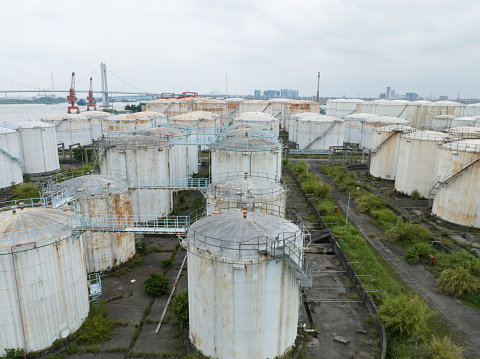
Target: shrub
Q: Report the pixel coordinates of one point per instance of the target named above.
(98, 327)
(27, 177)
(417, 252)
(79, 154)
(415, 194)
(404, 315)
(179, 307)
(167, 263)
(156, 284)
(26, 191)
(285, 162)
(443, 348)
(458, 282)
(408, 233)
(141, 247)
(14, 353)
(384, 216)
(317, 187)
(367, 202)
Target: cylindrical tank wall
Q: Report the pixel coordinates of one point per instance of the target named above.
(457, 200)
(71, 129)
(315, 134)
(10, 158)
(248, 311)
(39, 147)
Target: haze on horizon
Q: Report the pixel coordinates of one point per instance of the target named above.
(359, 46)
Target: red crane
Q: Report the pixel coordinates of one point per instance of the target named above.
(90, 98)
(71, 96)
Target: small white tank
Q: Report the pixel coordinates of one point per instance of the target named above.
(96, 122)
(464, 121)
(71, 128)
(370, 123)
(319, 132)
(253, 106)
(342, 107)
(441, 122)
(384, 156)
(158, 119)
(262, 119)
(11, 161)
(122, 125)
(456, 201)
(353, 126)
(241, 303)
(246, 154)
(232, 191)
(103, 196)
(291, 122)
(143, 158)
(43, 280)
(418, 161)
(39, 147)
(472, 109)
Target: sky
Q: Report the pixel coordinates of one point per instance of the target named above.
(360, 47)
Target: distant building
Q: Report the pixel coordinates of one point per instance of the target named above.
(289, 93)
(443, 98)
(271, 93)
(383, 95)
(258, 94)
(411, 96)
(388, 93)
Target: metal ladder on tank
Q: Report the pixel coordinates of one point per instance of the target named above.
(441, 181)
(95, 288)
(384, 141)
(16, 157)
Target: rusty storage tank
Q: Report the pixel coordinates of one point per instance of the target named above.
(178, 150)
(371, 123)
(242, 304)
(296, 106)
(246, 154)
(192, 148)
(457, 193)
(139, 159)
(39, 147)
(158, 119)
(353, 126)
(342, 107)
(166, 106)
(261, 119)
(384, 155)
(232, 107)
(108, 197)
(11, 161)
(319, 132)
(96, 122)
(71, 128)
(125, 124)
(215, 106)
(43, 280)
(258, 192)
(418, 161)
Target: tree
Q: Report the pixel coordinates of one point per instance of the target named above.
(179, 307)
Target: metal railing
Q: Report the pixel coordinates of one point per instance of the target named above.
(228, 175)
(169, 183)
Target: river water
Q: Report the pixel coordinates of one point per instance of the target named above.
(23, 112)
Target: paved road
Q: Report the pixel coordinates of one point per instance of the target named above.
(461, 317)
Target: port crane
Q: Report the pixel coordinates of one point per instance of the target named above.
(71, 96)
(90, 98)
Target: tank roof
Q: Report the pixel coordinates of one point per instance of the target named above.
(360, 116)
(93, 185)
(320, 118)
(180, 124)
(280, 100)
(255, 188)
(250, 132)
(96, 114)
(303, 115)
(134, 141)
(127, 117)
(446, 103)
(245, 143)
(196, 116)
(471, 145)
(33, 225)
(6, 131)
(234, 100)
(426, 136)
(347, 100)
(395, 128)
(32, 124)
(163, 132)
(255, 116)
(232, 236)
(387, 119)
(64, 116)
(256, 101)
(152, 114)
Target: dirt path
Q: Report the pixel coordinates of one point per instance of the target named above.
(461, 317)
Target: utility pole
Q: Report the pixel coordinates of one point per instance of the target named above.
(318, 88)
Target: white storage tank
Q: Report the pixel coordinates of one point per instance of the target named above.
(178, 150)
(39, 147)
(253, 106)
(457, 198)
(166, 106)
(242, 304)
(43, 280)
(96, 122)
(71, 128)
(139, 158)
(441, 122)
(384, 156)
(292, 120)
(246, 154)
(250, 130)
(426, 111)
(11, 161)
(342, 107)
(464, 121)
(278, 109)
(122, 125)
(158, 119)
(319, 132)
(207, 124)
(472, 109)
(258, 192)
(217, 107)
(232, 107)
(353, 127)
(107, 197)
(193, 148)
(371, 123)
(296, 106)
(418, 161)
(260, 118)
